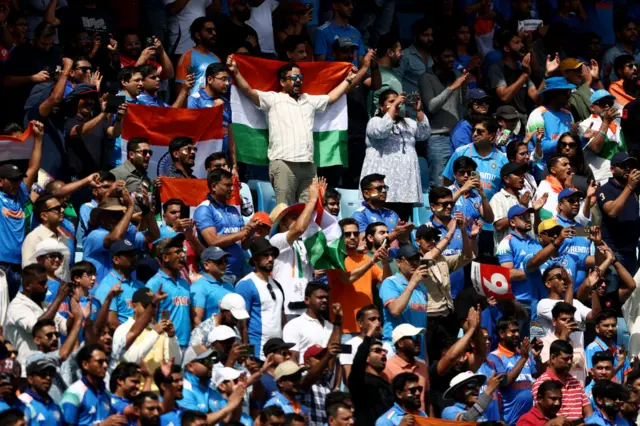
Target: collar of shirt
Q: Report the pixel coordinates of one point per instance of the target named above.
(215, 203)
(22, 299)
(46, 400)
(204, 95)
(538, 414)
(100, 389)
(405, 365)
(371, 209)
(507, 194)
(565, 222)
(519, 237)
(400, 278)
(117, 398)
(553, 376)
(605, 347)
(167, 277)
(412, 50)
(174, 171)
(129, 167)
(506, 351)
(294, 404)
(474, 153)
(615, 184)
(194, 380)
(617, 422)
(127, 97)
(118, 276)
(336, 25)
(308, 318)
(210, 279)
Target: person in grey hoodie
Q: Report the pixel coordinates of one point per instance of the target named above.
(441, 91)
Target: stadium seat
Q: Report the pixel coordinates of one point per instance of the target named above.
(266, 196)
(349, 202)
(424, 173)
(422, 215)
(245, 192)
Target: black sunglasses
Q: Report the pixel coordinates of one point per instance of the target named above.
(145, 152)
(271, 292)
(351, 234)
(567, 144)
(379, 188)
(59, 208)
(446, 204)
(84, 69)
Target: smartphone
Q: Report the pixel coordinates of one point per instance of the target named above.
(149, 42)
(582, 231)
(427, 262)
(474, 174)
(386, 243)
(346, 349)
(113, 103)
(165, 315)
(191, 69)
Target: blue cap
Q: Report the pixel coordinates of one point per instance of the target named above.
(213, 253)
(475, 94)
(557, 83)
(567, 192)
(622, 157)
(518, 210)
(599, 95)
(122, 246)
(407, 251)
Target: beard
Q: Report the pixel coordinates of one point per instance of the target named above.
(244, 15)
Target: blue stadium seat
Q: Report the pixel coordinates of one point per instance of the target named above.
(422, 215)
(424, 173)
(266, 196)
(349, 202)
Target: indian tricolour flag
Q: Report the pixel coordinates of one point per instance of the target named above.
(12, 149)
(160, 125)
(322, 239)
(250, 124)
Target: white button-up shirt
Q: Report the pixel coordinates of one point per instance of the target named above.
(42, 233)
(305, 332)
(290, 124)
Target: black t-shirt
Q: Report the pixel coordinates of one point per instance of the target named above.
(230, 37)
(501, 74)
(357, 107)
(89, 153)
(54, 158)
(438, 385)
(621, 233)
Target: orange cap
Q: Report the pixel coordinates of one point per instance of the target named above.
(263, 218)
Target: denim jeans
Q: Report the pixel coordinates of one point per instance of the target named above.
(13, 274)
(438, 154)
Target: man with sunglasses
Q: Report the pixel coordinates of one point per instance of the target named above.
(208, 291)
(407, 393)
(134, 171)
(626, 89)
(618, 202)
(602, 132)
(40, 408)
(183, 158)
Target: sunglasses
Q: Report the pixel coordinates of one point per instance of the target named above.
(271, 292)
(573, 200)
(189, 149)
(465, 172)
(54, 256)
(567, 144)
(415, 389)
(555, 277)
(52, 334)
(145, 152)
(58, 208)
(479, 131)
(294, 77)
(48, 372)
(351, 234)
(481, 102)
(446, 204)
(631, 65)
(379, 188)
(84, 69)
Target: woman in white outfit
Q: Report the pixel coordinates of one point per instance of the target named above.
(391, 151)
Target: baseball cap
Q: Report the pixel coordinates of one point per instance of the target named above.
(122, 246)
(235, 303)
(9, 171)
(568, 192)
(263, 218)
(195, 353)
(510, 168)
(40, 364)
(425, 232)
(622, 157)
(49, 245)
(548, 224)
(224, 374)
(507, 112)
(570, 64)
(404, 330)
(213, 253)
(287, 368)
(518, 210)
(142, 295)
(222, 333)
(314, 351)
(598, 95)
(475, 94)
(275, 344)
(343, 43)
(407, 251)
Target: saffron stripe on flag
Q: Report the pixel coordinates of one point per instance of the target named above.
(19, 148)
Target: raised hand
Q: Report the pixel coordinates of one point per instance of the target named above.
(539, 203)
(38, 128)
(552, 64)
(525, 347)
(337, 310)
(524, 199)
(159, 296)
(526, 63)
(476, 228)
(40, 77)
(231, 65)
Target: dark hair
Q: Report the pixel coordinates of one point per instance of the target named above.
(554, 159)
(560, 347)
(160, 379)
(292, 41)
(32, 272)
(347, 221)
(127, 31)
(437, 193)
(197, 25)
(577, 161)
(126, 74)
(283, 70)
(172, 202)
(332, 409)
(504, 38)
(215, 176)
(420, 27)
(12, 128)
(464, 162)
(121, 372)
(44, 29)
(81, 268)
(605, 356)
(386, 42)
(620, 61)
(562, 308)
(371, 228)
(622, 22)
(606, 389)
(108, 176)
(366, 181)
(338, 397)
(79, 58)
(633, 375)
(472, 48)
(40, 324)
(313, 286)
(440, 47)
(512, 149)
(15, 15)
(605, 314)
(178, 143)
(139, 399)
(503, 323)
(271, 411)
(382, 98)
(215, 68)
(213, 157)
(11, 417)
(548, 385)
(189, 417)
(146, 70)
(84, 354)
(401, 380)
(134, 142)
(547, 272)
(332, 193)
(427, 233)
(488, 123)
(41, 203)
(290, 418)
(364, 309)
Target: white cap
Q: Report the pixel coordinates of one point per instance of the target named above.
(222, 333)
(223, 374)
(50, 245)
(462, 379)
(404, 330)
(287, 368)
(235, 303)
(194, 353)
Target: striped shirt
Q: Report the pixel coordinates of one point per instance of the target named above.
(573, 396)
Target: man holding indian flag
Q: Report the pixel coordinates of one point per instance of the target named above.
(290, 117)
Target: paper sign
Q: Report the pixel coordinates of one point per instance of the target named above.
(491, 280)
(529, 25)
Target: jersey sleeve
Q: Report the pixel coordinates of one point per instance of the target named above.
(205, 218)
(388, 292)
(247, 290)
(280, 242)
(70, 407)
(588, 352)
(361, 218)
(376, 273)
(497, 363)
(183, 66)
(267, 100)
(504, 253)
(319, 102)
(198, 295)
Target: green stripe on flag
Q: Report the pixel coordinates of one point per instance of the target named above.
(252, 145)
(323, 255)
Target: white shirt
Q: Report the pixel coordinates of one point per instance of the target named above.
(305, 332)
(545, 306)
(22, 315)
(599, 164)
(500, 204)
(261, 21)
(290, 124)
(179, 24)
(42, 233)
(355, 342)
(293, 271)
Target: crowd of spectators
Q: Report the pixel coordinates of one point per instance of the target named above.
(479, 133)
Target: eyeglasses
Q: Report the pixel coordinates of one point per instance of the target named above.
(555, 277)
(58, 208)
(351, 234)
(47, 372)
(54, 256)
(145, 152)
(481, 102)
(222, 79)
(206, 362)
(52, 334)
(573, 200)
(379, 351)
(415, 389)
(631, 65)
(189, 149)
(294, 77)
(567, 144)
(379, 188)
(479, 131)
(84, 69)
